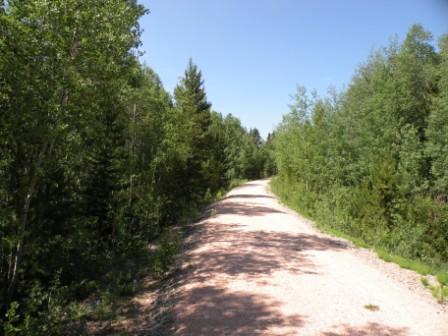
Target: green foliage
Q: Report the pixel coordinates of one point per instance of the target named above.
(11, 319)
(168, 246)
(440, 292)
(419, 267)
(370, 163)
(97, 158)
(424, 281)
(442, 277)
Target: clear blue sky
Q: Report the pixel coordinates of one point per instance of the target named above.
(252, 53)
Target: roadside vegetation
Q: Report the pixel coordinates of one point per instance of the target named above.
(370, 163)
(98, 161)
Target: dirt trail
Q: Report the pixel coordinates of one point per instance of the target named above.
(254, 267)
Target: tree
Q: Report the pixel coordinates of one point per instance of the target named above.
(58, 63)
(96, 159)
(371, 162)
(437, 131)
(191, 102)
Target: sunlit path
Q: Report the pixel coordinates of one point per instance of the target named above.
(254, 267)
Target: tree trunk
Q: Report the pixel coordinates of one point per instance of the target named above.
(12, 279)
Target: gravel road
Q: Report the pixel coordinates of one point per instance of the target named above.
(255, 267)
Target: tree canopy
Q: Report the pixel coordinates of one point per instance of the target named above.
(97, 158)
(371, 162)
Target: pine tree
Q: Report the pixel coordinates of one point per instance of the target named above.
(437, 132)
(192, 104)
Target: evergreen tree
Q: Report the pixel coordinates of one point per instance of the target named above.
(191, 102)
(437, 131)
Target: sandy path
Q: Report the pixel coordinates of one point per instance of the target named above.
(254, 267)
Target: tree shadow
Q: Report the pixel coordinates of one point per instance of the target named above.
(236, 208)
(210, 310)
(136, 314)
(216, 251)
(234, 251)
(248, 196)
(251, 184)
(370, 329)
(249, 254)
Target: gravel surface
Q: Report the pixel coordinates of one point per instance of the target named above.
(255, 267)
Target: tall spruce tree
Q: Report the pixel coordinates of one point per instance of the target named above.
(192, 104)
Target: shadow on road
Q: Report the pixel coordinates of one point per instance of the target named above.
(217, 252)
(246, 196)
(222, 312)
(203, 298)
(236, 208)
(223, 253)
(252, 253)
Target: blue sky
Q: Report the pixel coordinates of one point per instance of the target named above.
(253, 53)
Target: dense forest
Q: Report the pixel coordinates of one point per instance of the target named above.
(97, 158)
(98, 162)
(372, 162)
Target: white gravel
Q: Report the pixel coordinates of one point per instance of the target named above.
(255, 267)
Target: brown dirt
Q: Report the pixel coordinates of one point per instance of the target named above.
(254, 267)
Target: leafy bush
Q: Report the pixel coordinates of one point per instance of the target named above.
(367, 163)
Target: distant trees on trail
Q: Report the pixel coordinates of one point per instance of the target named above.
(96, 157)
(372, 161)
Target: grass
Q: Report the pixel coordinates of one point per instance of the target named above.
(358, 242)
(442, 277)
(406, 263)
(424, 281)
(439, 291)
